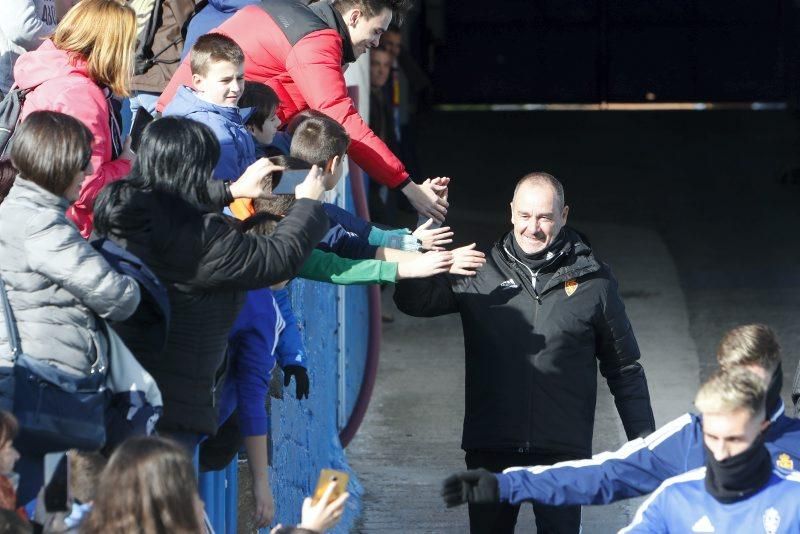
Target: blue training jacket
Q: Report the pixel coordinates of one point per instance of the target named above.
(682, 504)
(639, 466)
(236, 147)
(265, 330)
(291, 350)
(348, 221)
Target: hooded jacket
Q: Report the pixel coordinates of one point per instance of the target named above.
(62, 83)
(57, 283)
(211, 16)
(236, 148)
(532, 346)
(207, 265)
(301, 58)
(24, 24)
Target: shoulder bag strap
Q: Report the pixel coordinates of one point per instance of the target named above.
(11, 324)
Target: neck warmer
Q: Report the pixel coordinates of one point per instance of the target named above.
(540, 259)
(740, 476)
(774, 391)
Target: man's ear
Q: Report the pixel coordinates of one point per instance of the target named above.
(565, 214)
(352, 17)
(511, 205)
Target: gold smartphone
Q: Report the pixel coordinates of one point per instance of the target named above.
(331, 476)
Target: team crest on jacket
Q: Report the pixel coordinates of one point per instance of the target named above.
(784, 461)
(570, 287)
(771, 520)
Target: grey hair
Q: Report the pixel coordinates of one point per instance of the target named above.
(536, 178)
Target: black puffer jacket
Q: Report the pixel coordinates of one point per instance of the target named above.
(207, 265)
(532, 350)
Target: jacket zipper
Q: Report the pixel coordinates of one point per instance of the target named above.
(534, 275)
(538, 297)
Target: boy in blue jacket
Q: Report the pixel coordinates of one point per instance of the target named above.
(265, 333)
(217, 65)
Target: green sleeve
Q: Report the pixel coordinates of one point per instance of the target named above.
(328, 267)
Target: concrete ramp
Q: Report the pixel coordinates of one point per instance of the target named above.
(410, 439)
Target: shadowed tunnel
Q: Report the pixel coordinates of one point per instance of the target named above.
(710, 186)
(697, 212)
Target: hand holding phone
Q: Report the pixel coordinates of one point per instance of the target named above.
(324, 511)
(330, 476)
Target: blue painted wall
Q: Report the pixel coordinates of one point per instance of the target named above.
(305, 433)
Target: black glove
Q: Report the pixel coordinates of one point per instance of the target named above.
(477, 486)
(301, 383)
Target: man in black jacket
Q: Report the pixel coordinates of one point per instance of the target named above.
(537, 319)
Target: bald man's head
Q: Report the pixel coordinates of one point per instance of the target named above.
(538, 212)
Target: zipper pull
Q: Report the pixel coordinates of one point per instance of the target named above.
(535, 293)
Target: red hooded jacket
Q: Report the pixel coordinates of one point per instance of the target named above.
(63, 84)
(302, 59)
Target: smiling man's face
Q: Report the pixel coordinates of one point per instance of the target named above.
(537, 216)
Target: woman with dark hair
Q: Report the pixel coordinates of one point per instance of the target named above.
(167, 215)
(147, 487)
(57, 283)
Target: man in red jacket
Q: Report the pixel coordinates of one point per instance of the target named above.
(301, 51)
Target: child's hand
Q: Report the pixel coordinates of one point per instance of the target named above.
(313, 187)
(433, 239)
(264, 511)
(425, 265)
(426, 200)
(324, 515)
(251, 183)
(467, 260)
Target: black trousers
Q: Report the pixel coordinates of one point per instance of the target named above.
(502, 518)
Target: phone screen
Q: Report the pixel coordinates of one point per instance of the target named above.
(56, 481)
(289, 180)
(328, 476)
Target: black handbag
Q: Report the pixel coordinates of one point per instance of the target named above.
(56, 411)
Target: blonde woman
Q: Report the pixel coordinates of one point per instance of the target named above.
(87, 61)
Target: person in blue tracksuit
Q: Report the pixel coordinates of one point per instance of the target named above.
(641, 465)
(738, 489)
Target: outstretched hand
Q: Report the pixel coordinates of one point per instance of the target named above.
(425, 265)
(476, 486)
(467, 260)
(433, 238)
(426, 200)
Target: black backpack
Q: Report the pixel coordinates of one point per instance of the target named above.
(145, 56)
(10, 111)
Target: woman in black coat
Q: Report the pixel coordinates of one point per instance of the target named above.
(168, 214)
